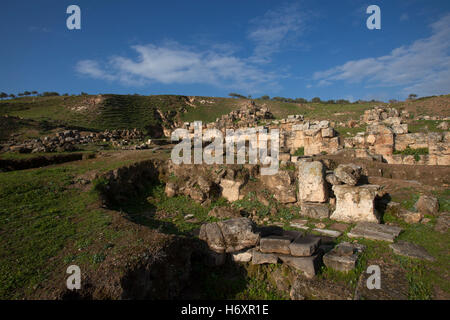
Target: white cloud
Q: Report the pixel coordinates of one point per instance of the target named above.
(173, 64)
(271, 31)
(422, 67)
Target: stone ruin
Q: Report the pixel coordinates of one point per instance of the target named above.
(385, 138)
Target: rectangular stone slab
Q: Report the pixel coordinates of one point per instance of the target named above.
(307, 265)
(339, 262)
(262, 258)
(304, 246)
(374, 231)
(275, 244)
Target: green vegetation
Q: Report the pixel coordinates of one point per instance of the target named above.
(413, 152)
(299, 152)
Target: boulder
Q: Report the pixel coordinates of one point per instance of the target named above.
(332, 179)
(427, 205)
(238, 234)
(356, 203)
(311, 182)
(348, 173)
(230, 235)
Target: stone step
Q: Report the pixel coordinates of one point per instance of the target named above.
(308, 265)
(327, 232)
(304, 246)
(275, 244)
(263, 258)
(374, 231)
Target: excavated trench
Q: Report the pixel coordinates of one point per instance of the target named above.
(180, 269)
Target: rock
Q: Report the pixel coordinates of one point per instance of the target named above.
(311, 182)
(230, 189)
(304, 246)
(275, 244)
(224, 213)
(374, 231)
(427, 205)
(238, 234)
(411, 217)
(339, 227)
(212, 235)
(263, 258)
(355, 203)
(197, 195)
(242, 256)
(230, 235)
(281, 185)
(348, 173)
(308, 265)
(329, 233)
(315, 210)
(442, 222)
(411, 250)
(444, 125)
(343, 257)
(332, 179)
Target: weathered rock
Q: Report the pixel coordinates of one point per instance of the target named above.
(230, 189)
(427, 205)
(355, 203)
(275, 244)
(332, 179)
(311, 182)
(214, 259)
(304, 246)
(411, 250)
(374, 231)
(211, 233)
(343, 257)
(242, 256)
(238, 234)
(442, 222)
(315, 210)
(444, 125)
(281, 185)
(308, 265)
(230, 235)
(263, 258)
(410, 217)
(171, 189)
(348, 173)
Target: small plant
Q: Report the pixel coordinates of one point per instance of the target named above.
(299, 152)
(408, 151)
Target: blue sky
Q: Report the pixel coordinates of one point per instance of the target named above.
(211, 48)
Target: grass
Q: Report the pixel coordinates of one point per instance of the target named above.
(299, 152)
(425, 126)
(413, 152)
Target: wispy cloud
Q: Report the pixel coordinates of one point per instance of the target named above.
(172, 63)
(422, 67)
(273, 30)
